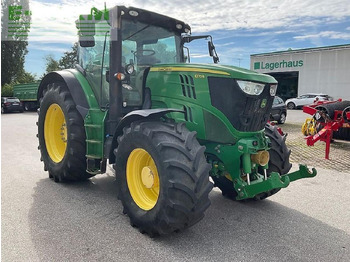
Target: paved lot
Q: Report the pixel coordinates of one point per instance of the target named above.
(45, 221)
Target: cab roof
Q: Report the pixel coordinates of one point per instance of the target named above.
(136, 14)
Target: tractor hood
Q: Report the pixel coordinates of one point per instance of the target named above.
(214, 69)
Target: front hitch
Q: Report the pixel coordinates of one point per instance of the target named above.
(273, 181)
(303, 172)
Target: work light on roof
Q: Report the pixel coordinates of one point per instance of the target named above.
(133, 13)
(179, 26)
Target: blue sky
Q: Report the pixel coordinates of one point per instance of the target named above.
(239, 27)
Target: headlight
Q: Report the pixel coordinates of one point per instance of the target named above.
(273, 89)
(251, 88)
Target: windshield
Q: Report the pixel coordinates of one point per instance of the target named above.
(143, 46)
(149, 44)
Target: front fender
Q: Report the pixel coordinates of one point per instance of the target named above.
(145, 114)
(73, 85)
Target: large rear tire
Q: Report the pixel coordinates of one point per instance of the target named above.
(163, 177)
(61, 135)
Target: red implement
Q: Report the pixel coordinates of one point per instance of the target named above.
(328, 124)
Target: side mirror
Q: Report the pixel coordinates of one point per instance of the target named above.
(86, 32)
(211, 48)
(87, 41)
(212, 52)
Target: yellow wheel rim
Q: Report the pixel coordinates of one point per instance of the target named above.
(312, 127)
(55, 133)
(142, 179)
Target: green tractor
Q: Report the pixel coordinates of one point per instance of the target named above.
(164, 124)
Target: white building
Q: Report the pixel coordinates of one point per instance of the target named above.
(312, 70)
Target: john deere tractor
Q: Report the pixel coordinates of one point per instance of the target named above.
(165, 125)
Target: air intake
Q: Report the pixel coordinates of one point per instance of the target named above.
(187, 85)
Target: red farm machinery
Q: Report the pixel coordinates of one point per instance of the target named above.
(330, 119)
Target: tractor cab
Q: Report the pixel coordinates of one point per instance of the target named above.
(122, 44)
(141, 39)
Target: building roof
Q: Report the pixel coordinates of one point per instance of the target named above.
(305, 50)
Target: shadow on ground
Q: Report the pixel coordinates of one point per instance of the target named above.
(84, 222)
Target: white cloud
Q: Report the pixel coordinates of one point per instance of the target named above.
(47, 47)
(225, 44)
(325, 34)
(198, 55)
(56, 21)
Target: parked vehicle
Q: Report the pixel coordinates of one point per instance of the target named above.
(278, 110)
(307, 99)
(27, 95)
(11, 104)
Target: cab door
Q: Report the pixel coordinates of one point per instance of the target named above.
(95, 62)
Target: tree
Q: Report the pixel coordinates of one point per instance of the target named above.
(7, 90)
(25, 77)
(70, 58)
(51, 64)
(13, 41)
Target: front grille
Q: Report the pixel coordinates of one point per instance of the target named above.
(242, 110)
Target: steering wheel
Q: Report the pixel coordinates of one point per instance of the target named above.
(143, 51)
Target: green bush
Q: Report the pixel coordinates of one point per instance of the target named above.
(7, 90)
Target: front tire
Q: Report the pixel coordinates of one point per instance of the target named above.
(61, 135)
(163, 177)
(226, 186)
